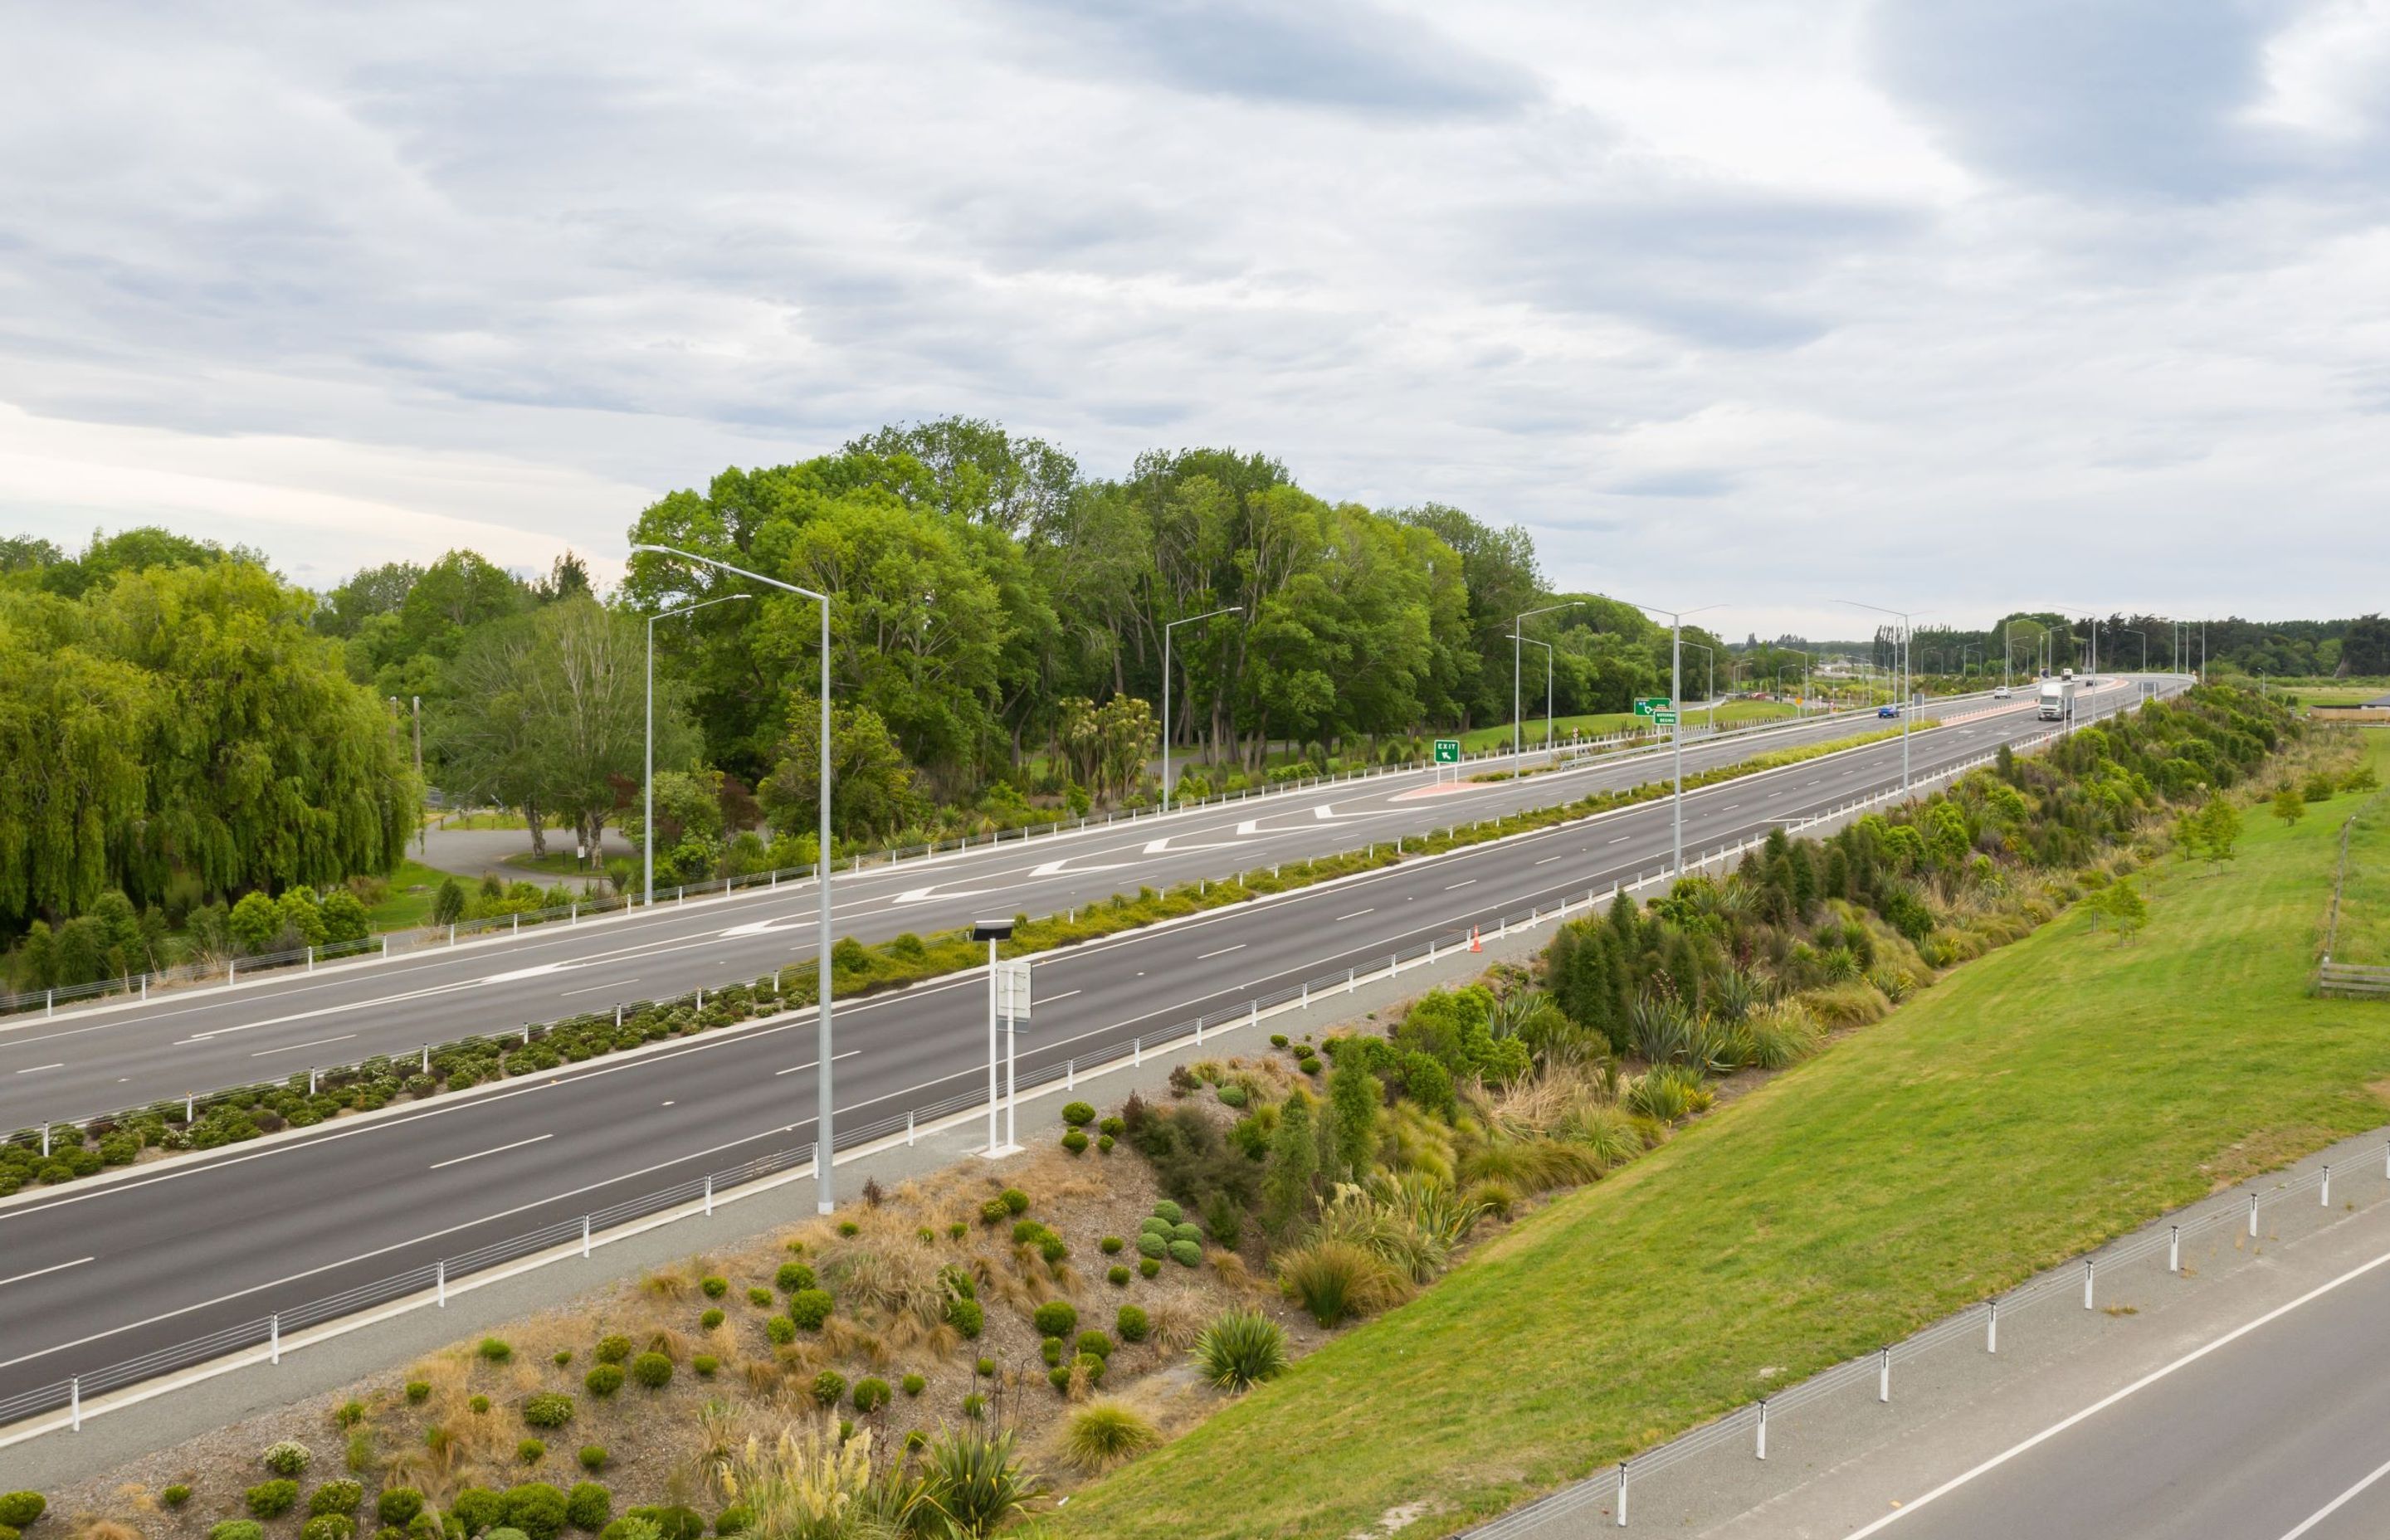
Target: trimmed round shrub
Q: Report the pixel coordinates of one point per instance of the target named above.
(237, 1529)
(617, 1348)
(1056, 1318)
(992, 1211)
(1075, 1141)
(1014, 1200)
(1168, 1211)
(1189, 1231)
(587, 1507)
(705, 1366)
(871, 1394)
(793, 1276)
(537, 1508)
(547, 1409)
(1052, 1249)
(828, 1386)
(562, 1357)
(914, 1384)
(810, 1307)
(494, 1350)
(956, 1230)
(1187, 1253)
(1059, 1377)
(1111, 1245)
(849, 1228)
(713, 1288)
(480, 1404)
(175, 1496)
(603, 1381)
(1132, 1324)
(271, 1499)
(592, 1456)
(1147, 1267)
(1112, 1127)
(652, 1370)
(712, 1319)
(1078, 1114)
(286, 1459)
(1028, 1232)
(760, 1297)
(1093, 1365)
(397, 1505)
(781, 1330)
(1152, 1244)
(531, 1451)
(1117, 1276)
(1233, 1096)
(478, 1507)
(504, 1532)
(340, 1497)
(1095, 1343)
(1104, 1145)
(966, 1316)
(1050, 1349)
(417, 1392)
(733, 1519)
(1153, 1223)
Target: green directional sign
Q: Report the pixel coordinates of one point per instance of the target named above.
(1448, 750)
(1652, 705)
(1663, 719)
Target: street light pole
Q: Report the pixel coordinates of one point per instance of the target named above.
(648, 782)
(1518, 629)
(1548, 687)
(824, 1145)
(1675, 700)
(1232, 610)
(1904, 704)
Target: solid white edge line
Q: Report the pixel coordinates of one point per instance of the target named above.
(38, 1272)
(2101, 1404)
(460, 1159)
(2320, 1514)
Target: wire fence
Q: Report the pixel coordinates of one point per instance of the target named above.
(266, 1338)
(226, 971)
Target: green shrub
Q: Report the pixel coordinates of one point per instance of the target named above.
(1051, 1351)
(781, 1330)
(1241, 1348)
(1132, 1324)
(417, 1392)
(494, 1350)
(715, 1287)
(994, 1212)
(1117, 1276)
(975, 1406)
(1111, 1127)
(1059, 1377)
(810, 1307)
(1056, 1318)
(1104, 1145)
(792, 1277)
(1147, 1267)
(733, 1519)
(286, 1459)
(478, 1508)
(506, 1532)
(1152, 1243)
(397, 1505)
(1187, 1253)
(603, 1381)
(592, 1456)
(705, 1366)
(531, 1451)
(617, 1348)
(1091, 1366)
(1014, 1200)
(828, 1386)
(271, 1499)
(1189, 1230)
(871, 1394)
(956, 1230)
(1078, 1114)
(1075, 1141)
(328, 1526)
(966, 1316)
(175, 1496)
(1233, 1096)
(712, 1319)
(340, 1497)
(1168, 1211)
(1028, 1232)
(587, 1507)
(537, 1508)
(562, 1357)
(1111, 1245)
(1095, 1343)
(914, 1384)
(1053, 1249)
(547, 1409)
(480, 1404)
(760, 1297)
(237, 1529)
(672, 1523)
(987, 1368)
(1101, 1436)
(350, 1415)
(849, 1228)
(652, 1370)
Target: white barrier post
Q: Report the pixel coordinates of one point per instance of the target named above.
(440, 1282)
(1070, 1083)
(2253, 1216)
(427, 1059)
(2324, 1198)
(909, 1143)
(709, 1178)
(1884, 1374)
(2089, 1271)
(74, 1402)
(585, 1236)
(1254, 1013)
(2174, 1249)
(1137, 1050)
(273, 1338)
(1763, 1427)
(1622, 1494)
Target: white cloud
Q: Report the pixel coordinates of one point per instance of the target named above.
(1757, 302)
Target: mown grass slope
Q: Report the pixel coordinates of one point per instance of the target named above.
(2034, 1103)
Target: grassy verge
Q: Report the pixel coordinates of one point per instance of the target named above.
(1734, 713)
(408, 901)
(2363, 934)
(2037, 1102)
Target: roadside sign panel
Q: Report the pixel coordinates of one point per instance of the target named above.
(1013, 989)
(1448, 750)
(1664, 719)
(1651, 705)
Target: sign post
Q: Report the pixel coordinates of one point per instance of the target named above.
(1448, 751)
(1012, 1001)
(993, 931)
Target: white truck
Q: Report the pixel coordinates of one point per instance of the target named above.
(2056, 696)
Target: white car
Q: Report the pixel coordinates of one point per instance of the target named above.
(2000, 693)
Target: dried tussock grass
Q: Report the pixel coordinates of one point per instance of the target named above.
(93, 1528)
(1176, 1319)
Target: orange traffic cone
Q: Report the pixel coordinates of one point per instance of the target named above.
(1474, 944)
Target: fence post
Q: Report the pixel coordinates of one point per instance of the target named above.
(1763, 1427)
(1884, 1374)
(2091, 1269)
(585, 1236)
(440, 1281)
(1622, 1494)
(2174, 1249)
(1992, 1331)
(273, 1338)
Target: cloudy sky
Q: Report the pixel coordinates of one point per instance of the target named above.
(1952, 304)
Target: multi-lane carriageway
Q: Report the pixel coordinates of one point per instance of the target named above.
(99, 1272)
(107, 1057)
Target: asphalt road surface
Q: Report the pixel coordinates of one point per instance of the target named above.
(107, 1057)
(102, 1272)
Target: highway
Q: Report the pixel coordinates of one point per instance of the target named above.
(108, 1057)
(101, 1272)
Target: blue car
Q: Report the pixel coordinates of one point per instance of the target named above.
(1887, 711)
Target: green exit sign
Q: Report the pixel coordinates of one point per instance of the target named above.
(1664, 719)
(1448, 750)
(1652, 705)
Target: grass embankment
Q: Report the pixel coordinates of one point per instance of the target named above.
(1734, 713)
(408, 902)
(2037, 1102)
(2363, 933)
